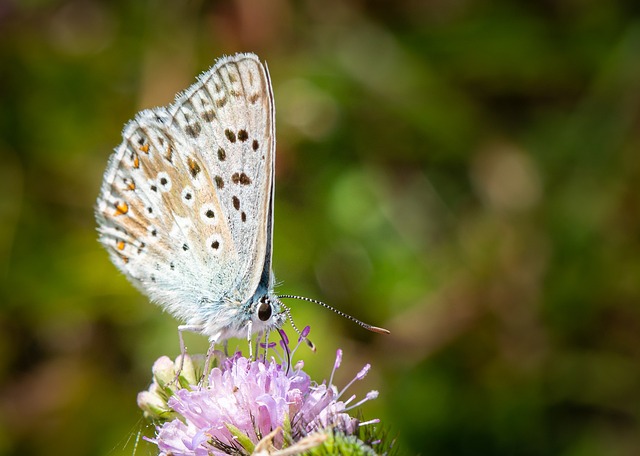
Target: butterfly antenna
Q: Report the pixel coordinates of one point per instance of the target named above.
(288, 312)
(339, 312)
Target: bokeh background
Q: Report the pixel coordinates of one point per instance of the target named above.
(465, 173)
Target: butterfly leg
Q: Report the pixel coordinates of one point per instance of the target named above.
(249, 326)
(266, 344)
(257, 346)
(207, 362)
(183, 347)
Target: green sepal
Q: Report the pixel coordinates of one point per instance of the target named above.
(339, 443)
(243, 440)
(286, 432)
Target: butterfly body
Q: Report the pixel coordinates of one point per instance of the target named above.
(186, 206)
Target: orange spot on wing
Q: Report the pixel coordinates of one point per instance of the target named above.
(122, 208)
(144, 148)
(125, 259)
(194, 168)
(129, 183)
(120, 245)
(136, 162)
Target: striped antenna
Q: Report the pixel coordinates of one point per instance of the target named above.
(339, 312)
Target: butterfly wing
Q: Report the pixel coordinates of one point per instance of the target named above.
(185, 210)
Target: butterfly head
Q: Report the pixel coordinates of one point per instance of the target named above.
(269, 313)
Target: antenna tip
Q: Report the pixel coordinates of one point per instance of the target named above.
(375, 329)
(311, 345)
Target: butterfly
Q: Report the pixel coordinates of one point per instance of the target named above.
(186, 207)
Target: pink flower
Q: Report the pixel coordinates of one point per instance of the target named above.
(242, 403)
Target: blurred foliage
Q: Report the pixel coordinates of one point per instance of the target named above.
(465, 173)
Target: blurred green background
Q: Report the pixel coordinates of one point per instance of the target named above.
(465, 173)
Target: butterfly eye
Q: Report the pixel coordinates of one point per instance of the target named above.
(264, 311)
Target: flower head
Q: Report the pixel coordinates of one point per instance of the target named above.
(241, 404)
